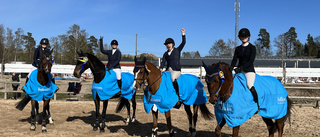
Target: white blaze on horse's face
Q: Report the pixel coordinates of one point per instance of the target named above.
(135, 85)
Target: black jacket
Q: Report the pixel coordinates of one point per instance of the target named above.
(173, 60)
(36, 56)
(113, 60)
(16, 78)
(246, 56)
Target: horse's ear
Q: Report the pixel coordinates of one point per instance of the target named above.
(135, 58)
(81, 51)
(144, 60)
(78, 52)
(205, 66)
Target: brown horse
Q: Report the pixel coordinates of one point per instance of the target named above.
(147, 73)
(221, 89)
(87, 60)
(43, 77)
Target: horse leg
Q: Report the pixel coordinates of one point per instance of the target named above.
(188, 111)
(219, 127)
(33, 115)
(104, 111)
(235, 131)
(270, 126)
(44, 115)
(49, 114)
(280, 124)
(128, 113)
(155, 123)
(37, 112)
(134, 106)
(169, 125)
(97, 105)
(195, 119)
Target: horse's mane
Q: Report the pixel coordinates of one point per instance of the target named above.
(95, 60)
(151, 65)
(224, 67)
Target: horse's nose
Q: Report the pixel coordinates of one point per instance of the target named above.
(75, 74)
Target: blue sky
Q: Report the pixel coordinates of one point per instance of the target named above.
(205, 21)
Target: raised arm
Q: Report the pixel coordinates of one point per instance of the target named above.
(183, 40)
(101, 46)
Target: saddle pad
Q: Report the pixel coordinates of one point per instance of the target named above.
(108, 87)
(240, 106)
(190, 89)
(38, 92)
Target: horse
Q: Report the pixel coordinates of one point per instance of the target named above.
(40, 88)
(149, 77)
(223, 88)
(87, 60)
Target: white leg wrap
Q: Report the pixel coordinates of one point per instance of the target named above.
(154, 108)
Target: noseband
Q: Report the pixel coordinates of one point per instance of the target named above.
(144, 80)
(84, 61)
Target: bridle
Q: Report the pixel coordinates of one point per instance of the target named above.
(143, 79)
(84, 61)
(213, 76)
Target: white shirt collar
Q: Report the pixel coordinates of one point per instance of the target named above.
(170, 51)
(245, 44)
(113, 51)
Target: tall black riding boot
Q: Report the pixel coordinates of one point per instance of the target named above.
(176, 87)
(255, 96)
(120, 85)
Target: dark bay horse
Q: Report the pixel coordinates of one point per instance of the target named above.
(147, 74)
(87, 60)
(44, 78)
(220, 84)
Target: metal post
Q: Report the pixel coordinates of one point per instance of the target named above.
(200, 72)
(284, 72)
(136, 44)
(5, 91)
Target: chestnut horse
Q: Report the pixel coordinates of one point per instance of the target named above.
(220, 84)
(147, 73)
(87, 60)
(44, 79)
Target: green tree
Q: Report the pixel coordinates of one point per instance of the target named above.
(291, 38)
(298, 48)
(19, 34)
(317, 41)
(186, 55)
(93, 44)
(219, 48)
(2, 47)
(311, 47)
(74, 40)
(30, 44)
(264, 41)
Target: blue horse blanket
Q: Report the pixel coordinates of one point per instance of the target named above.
(38, 92)
(240, 106)
(190, 89)
(108, 87)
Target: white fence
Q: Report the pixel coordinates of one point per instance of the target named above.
(276, 72)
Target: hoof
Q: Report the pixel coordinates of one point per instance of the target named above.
(33, 128)
(44, 131)
(133, 120)
(102, 131)
(193, 134)
(52, 124)
(95, 128)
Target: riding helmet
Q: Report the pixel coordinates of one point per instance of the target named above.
(244, 32)
(169, 40)
(114, 42)
(44, 41)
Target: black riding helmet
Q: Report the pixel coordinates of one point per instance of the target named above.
(114, 42)
(169, 40)
(44, 41)
(244, 32)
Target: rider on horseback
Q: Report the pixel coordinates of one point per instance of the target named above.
(246, 54)
(42, 48)
(114, 57)
(172, 56)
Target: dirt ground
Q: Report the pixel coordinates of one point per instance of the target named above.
(75, 118)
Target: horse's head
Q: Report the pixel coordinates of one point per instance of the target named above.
(46, 61)
(218, 82)
(82, 64)
(140, 73)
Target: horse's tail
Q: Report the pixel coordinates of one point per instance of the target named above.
(287, 116)
(123, 102)
(205, 112)
(20, 105)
